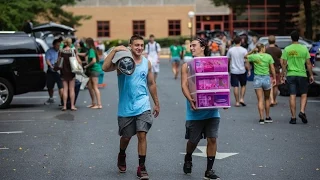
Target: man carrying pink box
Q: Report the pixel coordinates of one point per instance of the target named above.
(200, 123)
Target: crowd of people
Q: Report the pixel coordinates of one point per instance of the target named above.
(271, 68)
(88, 54)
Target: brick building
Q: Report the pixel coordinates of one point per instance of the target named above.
(119, 19)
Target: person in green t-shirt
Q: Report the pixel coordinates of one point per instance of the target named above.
(175, 57)
(293, 61)
(94, 69)
(262, 63)
(187, 54)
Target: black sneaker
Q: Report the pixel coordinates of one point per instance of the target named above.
(210, 175)
(187, 167)
(303, 117)
(122, 163)
(269, 120)
(293, 121)
(261, 121)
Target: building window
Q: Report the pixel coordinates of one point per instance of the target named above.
(139, 27)
(103, 28)
(174, 27)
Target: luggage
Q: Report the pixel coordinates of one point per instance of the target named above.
(313, 90)
(76, 92)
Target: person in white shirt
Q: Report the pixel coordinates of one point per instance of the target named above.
(152, 52)
(238, 65)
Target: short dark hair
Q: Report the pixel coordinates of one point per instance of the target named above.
(204, 43)
(135, 37)
(237, 40)
(294, 36)
(272, 39)
(151, 36)
(56, 41)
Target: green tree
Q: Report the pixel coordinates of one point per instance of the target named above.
(14, 13)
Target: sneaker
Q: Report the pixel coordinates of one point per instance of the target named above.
(269, 120)
(122, 163)
(49, 101)
(187, 167)
(261, 121)
(210, 175)
(293, 121)
(142, 173)
(303, 117)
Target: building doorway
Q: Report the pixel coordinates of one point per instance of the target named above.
(212, 26)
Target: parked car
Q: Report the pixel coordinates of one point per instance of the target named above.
(21, 66)
(284, 41)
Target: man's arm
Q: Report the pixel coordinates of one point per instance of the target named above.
(48, 57)
(159, 49)
(184, 82)
(152, 85)
(309, 67)
(108, 66)
(284, 64)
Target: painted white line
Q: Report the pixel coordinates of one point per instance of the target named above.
(4, 148)
(203, 153)
(12, 132)
(32, 97)
(12, 121)
(22, 111)
(314, 101)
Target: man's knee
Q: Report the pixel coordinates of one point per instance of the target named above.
(126, 139)
(212, 141)
(142, 136)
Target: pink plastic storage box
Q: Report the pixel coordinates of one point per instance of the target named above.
(208, 81)
(212, 100)
(208, 64)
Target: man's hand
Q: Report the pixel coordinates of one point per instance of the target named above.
(274, 82)
(193, 104)
(311, 79)
(120, 48)
(156, 111)
(249, 73)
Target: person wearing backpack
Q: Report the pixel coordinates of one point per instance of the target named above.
(152, 51)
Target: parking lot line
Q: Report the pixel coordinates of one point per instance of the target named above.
(32, 97)
(4, 148)
(314, 101)
(12, 121)
(12, 132)
(22, 111)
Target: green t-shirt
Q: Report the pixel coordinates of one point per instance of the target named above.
(175, 51)
(296, 56)
(261, 62)
(186, 53)
(96, 67)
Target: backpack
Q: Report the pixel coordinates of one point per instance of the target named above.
(156, 47)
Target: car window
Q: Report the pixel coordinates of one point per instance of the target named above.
(17, 45)
(40, 48)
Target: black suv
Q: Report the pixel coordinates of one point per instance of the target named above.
(21, 66)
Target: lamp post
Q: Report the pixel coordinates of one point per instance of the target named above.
(190, 25)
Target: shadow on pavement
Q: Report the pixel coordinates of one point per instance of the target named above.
(65, 117)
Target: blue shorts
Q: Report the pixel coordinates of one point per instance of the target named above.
(262, 82)
(175, 59)
(297, 84)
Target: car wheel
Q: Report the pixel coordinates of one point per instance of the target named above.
(6, 93)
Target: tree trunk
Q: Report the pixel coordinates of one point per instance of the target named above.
(308, 16)
(282, 20)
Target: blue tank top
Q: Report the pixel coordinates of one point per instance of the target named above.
(200, 114)
(133, 91)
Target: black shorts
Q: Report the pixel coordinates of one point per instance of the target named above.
(238, 78)
(297, 84)
(201, 129)
(52, 78)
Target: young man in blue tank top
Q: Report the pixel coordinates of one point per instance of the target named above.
(199, 123)
(134, 110)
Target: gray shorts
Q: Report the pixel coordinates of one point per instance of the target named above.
(129, 126)
(201, 129)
